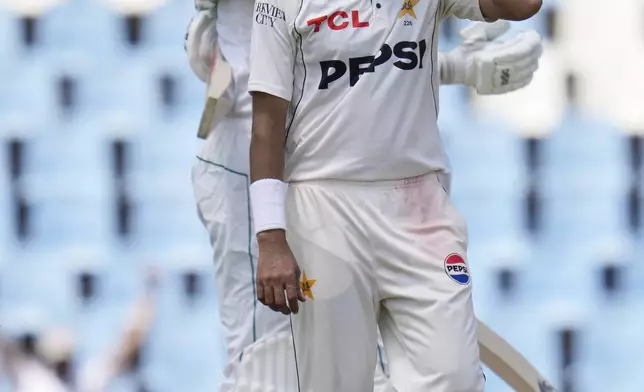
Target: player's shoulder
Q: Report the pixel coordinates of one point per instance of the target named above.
(270, 12)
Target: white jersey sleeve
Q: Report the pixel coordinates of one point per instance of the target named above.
(462, 9)
(272, 51)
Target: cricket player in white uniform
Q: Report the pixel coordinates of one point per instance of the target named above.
(345, 191)
(253, 333)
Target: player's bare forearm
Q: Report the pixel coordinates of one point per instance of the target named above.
(135, 334)
(139, 324)
(277, 280)
(267, 141)
(267, 147)
(509, 9)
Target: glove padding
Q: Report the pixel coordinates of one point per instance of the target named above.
(200, 43)
(491, 66)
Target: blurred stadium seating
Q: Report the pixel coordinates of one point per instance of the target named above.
(98, 115)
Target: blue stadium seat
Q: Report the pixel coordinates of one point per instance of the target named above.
(526, 323)
(490, 217)
(127, 89)
(188, 344)
(165, 212)
(65, 213)
(80, 69)
(166, 26)
(39, 280)
(187, 335)
(27, 90)
(100, 322)
(564, 275)
(6, 211)
(163, 156)
(18, 318)
(9, 43)
(190, 90)
(584, 154)
(68, 182)
(574, 271)
(488, 180)
(585, 180)
(590, 216)
(119, 274)
(167, 145)
(69, 148)
(632, 268)
(487, 258)
(530, 330)
(610, 354)
(85, 26)
(5, 260)
(485, 156)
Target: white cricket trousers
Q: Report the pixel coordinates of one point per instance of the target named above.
(390, 254)
(258, 341)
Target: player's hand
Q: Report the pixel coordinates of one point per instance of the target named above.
(200, 42)
(277, 273)
(491, 66)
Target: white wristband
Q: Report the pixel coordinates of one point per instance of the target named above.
(267, 199)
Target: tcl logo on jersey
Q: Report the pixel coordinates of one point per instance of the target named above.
(408, 55)
(338, 20)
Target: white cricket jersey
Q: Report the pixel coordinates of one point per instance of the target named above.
(234, 23)
(362, 80)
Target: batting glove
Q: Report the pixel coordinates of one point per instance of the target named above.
(491, 66)
(200, 42)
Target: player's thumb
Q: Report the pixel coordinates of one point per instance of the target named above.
(481, 31)
(300, 296)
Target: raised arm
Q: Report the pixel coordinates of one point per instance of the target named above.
(490, 10)
(98, 374)
(509, 9)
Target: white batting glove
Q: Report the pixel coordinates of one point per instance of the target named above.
(491, 66)
(200, 43)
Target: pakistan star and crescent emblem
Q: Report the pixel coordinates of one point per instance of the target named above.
(306, 285)
(408, 8)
